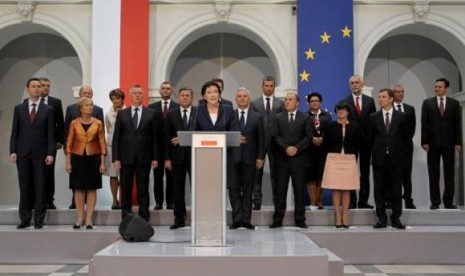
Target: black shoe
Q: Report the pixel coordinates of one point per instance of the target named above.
(256, 207)
(248, 226)
(72, 206)
(321, 207)
(235, 225)
(158, 207)
(276, 225)
(38, 225)
(365, 206)
(23, 225)
(170, 207)
(380, 224)
(410, 205)
(450, 206)
(115, 207)
(51, 206)
(338, 226)
(301, 224)
(177, 225)
(397, 224)
(434, 207)
(89, 227)
(353, 206)
(346, 226)
(76, 226)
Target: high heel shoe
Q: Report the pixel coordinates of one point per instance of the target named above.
(338, 226)
(346, 226)
(89, 226)
(76, 226)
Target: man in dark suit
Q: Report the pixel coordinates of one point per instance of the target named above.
(250, 157)
(361, 106)
(32, 148)
(292, 134)
(135, 151)
(162, 108)
(410, 117)
(72, 113)
(389, 136)
(55, 103)
(440, 135)
(177, 158)
(268, 106)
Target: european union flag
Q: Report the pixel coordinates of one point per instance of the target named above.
(325, 49)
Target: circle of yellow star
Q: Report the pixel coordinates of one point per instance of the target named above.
(304, 76)
(346, 32)
(310, 54)
(325, 37)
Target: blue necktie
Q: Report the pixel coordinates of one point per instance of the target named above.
(242, 121)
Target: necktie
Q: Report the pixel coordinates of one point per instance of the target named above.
(135, 118)
(242, 121)
(388, 122)
(357, 106)
(42, 100)
(165, 109)
(268, 107)
(291, 121)
(441, 106)
(32, 115)
(184, 118)
(399, 108)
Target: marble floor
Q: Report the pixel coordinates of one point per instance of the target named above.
(349, 270)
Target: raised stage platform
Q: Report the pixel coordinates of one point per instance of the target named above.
(432, 237)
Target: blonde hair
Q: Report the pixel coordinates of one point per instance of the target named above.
(83, 101)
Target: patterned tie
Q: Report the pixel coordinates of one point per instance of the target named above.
(399, 108)
(388, 122)
(165, 109)
(242, 120)
(184, 118)
(32, 115)
(441, 106)
(357, 106)
(268, 107)
(135, 118)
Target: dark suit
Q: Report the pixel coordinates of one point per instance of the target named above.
(240, 195)
(442, 134)
(32, 143)
(55, 103)
(258, 106)
(180, 158)
(284, 135)
(362, 120)
(409, 112)
(72, 113)
(135, 149)
(388, 160)
(158, 173)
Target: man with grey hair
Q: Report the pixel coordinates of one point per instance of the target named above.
(250, 157)
(72, 112)
(409, 112)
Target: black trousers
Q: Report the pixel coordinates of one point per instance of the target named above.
(159, 192)
(448, 158)
(298, 177)
(179, 173)
(240, 194)
(388, 177)
(257, 185)
(50, 182)
(141, 174)
(32, 189)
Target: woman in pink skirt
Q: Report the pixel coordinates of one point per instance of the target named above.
(341, 172)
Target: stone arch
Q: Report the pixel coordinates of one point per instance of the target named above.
(238, 24)
(446, 32)
(53, 25)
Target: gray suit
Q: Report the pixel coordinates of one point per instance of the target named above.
(258, 105)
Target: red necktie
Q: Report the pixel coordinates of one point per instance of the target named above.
(357, 106)
(388, 122)
(441, 106)
(165, 109)
(32, 115)
(267, 107)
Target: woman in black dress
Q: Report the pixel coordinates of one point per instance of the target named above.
(317, 153)
(85, 160)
